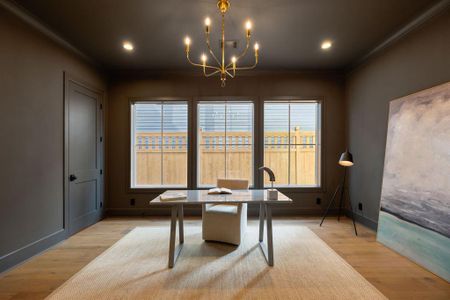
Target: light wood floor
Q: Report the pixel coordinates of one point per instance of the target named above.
(395, 276)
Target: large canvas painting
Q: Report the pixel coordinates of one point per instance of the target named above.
(415, 200)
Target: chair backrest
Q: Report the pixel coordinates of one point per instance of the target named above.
(233, 184)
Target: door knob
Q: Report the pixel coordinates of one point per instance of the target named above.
(72, 177)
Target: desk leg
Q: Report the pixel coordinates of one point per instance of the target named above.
(180, 223)
(269, 234)
(174, 252)
(261, 221)
(267, 251)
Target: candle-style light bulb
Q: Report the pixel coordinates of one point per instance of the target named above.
(207, 24)
(233, 61)
(187, 42)
(256, 48)
(203, 58)
(248, 27)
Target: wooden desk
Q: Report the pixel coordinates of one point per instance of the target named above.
(199, 197)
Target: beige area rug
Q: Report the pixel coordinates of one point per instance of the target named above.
(136, 268)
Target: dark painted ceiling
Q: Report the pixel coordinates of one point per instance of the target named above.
(289, 31)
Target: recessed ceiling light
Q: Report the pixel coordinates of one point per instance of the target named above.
(128, 46)
(326, 45)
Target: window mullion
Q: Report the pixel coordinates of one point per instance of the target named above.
(133, 146)
(289, 143)
(162, 143)
(317, 138)
(225, 141)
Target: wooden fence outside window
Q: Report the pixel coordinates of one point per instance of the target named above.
(218, 155)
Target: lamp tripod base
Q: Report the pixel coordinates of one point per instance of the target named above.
(342, 189)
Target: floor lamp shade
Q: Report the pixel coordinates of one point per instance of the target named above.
(346, 159)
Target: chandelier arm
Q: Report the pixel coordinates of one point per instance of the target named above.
(244, 52)
(212, 67)
(210, 50)
(210, 74)
(200, 65)
(229, 74)
(246, 68)
(250, 67)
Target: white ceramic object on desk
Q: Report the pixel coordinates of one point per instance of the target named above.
(272, 194)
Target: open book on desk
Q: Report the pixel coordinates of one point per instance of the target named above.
(172, 196)
(217, 191)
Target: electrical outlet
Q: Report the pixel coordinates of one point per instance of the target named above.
(132, 202)
(318, 201)
(360, 206)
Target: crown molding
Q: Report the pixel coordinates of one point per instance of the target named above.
(392, 39)
(34, 22)
(142, 74)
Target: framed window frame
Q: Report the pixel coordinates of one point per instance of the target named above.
(254, 142)
(258, 141)
(157, 188)
(320, 167)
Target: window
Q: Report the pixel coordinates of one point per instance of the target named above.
(225, 141)
(159, 144)
(292, 142)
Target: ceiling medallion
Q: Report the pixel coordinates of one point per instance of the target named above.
(219, 67)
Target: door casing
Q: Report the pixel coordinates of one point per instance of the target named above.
(68, 80)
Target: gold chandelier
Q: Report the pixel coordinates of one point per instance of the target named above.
(224, 70)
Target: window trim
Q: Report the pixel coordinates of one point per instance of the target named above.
(222, 100)
(258, 137)
(321, 187)
(156, 188)
(303, 143)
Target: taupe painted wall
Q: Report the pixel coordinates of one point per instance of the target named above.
(31, 123)
(418, 61)
(31, 136)
(328, 86)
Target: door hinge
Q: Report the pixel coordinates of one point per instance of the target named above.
(101, 106)
(101, 172)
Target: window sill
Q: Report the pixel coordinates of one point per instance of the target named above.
(283, 189)
(154, 189)
(298, 189)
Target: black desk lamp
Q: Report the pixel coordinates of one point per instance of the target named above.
(271, 193)
(346, 160)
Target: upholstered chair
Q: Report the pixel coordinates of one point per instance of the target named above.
(225, 223)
